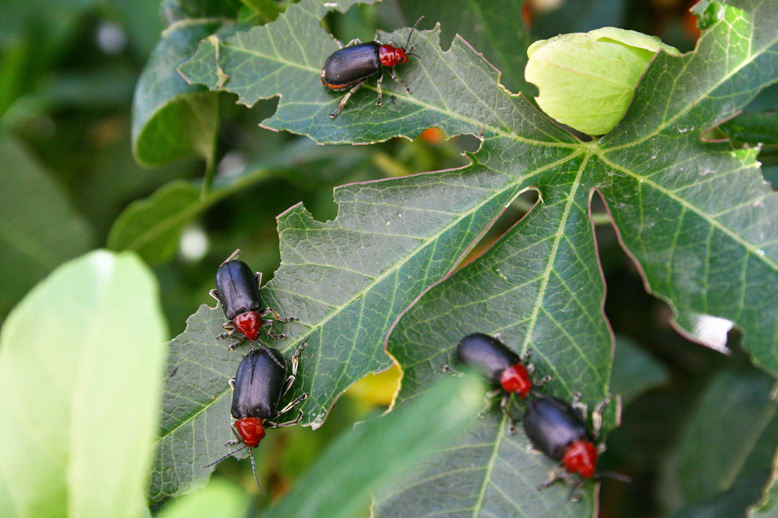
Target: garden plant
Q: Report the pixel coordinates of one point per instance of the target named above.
(604, 199)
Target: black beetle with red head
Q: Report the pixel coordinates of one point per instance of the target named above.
(351, 66)
(513, 374)
(259, 385)
(559, 430)
(237, 289)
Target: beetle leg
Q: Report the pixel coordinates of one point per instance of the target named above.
(597, 415)
(578, 406)
(275, 336)
(270, 424)
(497, 336)
(236, 440)
(504, 404)
(292, 404)
(231, 383)
(542, 381)
(378, 86)
(448, 370)
(488, 397)
(346, 97)
(394, 76)
(258, 277)
(276, 315)
(576, 490)
(531, 449)
(224, 335)
(296, 357)
(525, 357)
(295, 362)
(284, 319)
(553, 475)
(355, 41)
(215, 294)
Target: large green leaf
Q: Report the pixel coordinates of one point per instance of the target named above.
(696, 216)
(80, 365)
(689, 211)
(534, 305)
(32, 245)
(725, 456)
(346, 281)
(396, 443)
(171, 118)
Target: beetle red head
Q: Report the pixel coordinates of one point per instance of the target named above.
(516, 379)
(391, 56)
(251, 431)
(581, 458)
(248, 323)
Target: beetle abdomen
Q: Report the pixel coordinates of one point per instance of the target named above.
(552, 425)
(349, 65)
(258, 384)
(487, 354)
(237, 289)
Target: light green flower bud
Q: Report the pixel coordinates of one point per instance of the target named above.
(586, 80)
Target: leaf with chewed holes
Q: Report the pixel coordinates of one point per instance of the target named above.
(696, 216)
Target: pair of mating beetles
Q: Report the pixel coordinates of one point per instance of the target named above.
(261, 380)
(554, 427)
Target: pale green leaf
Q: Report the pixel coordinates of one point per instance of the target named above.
(219, 499)
(80, 365)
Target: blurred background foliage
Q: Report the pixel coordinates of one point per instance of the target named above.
(68, 70)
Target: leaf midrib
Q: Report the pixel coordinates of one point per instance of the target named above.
(376, 280)
(412, 100)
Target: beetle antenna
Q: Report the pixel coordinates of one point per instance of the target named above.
(407, 43)
(613, 475)
(233, 452)
(414, 55)
(233, 255)
(254, 469)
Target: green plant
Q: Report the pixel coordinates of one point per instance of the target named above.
(381, 269)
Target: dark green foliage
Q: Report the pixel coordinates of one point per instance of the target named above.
(374, 270)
